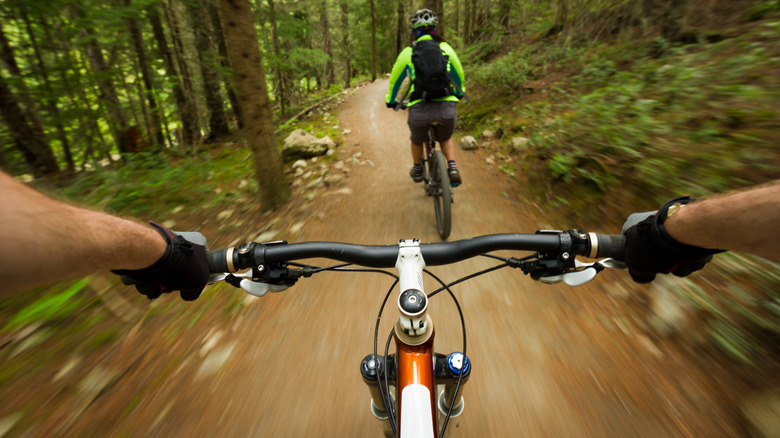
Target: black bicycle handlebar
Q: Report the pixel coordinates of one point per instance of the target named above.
(574, 242)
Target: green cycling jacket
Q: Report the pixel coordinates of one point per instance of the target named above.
(403, 67)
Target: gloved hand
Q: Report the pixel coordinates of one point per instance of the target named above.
(650, 250)
(182, 267)
(391, 105)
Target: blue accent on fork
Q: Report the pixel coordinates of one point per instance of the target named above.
(456, 368)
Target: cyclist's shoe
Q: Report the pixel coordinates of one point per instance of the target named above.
(416, 174)
(455, 179)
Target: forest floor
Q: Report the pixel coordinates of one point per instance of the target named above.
(548, 361)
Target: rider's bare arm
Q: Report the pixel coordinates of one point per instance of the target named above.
(43, 240)
(743, 221)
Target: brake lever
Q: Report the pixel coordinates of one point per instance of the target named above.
(259, 289)
(586, 274)
(252, 287)
(607, 263)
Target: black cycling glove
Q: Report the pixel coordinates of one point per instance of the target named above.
(650, 250)
(391, 105)
(183, 267)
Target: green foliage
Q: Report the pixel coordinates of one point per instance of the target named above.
(598, 73)
(645, 125)
(479, 53)
(761, 9)
(212, 178)
(508, 168)
(55, 306)
(303, 62)
(505, 75)
(629, 124)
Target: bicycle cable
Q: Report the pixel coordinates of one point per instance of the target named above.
(384, 390)
(389, 406)
(386, 397)
(463, 330)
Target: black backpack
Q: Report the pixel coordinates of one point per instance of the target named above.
(432, 78)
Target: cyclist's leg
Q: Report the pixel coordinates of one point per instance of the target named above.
(444, 133)
(448, 148)
(416, 172)
(417, 151)
(418, 128)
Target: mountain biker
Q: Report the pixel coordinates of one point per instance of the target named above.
(71, 241)
(421, 111)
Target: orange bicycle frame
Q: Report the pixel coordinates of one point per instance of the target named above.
(415, 367)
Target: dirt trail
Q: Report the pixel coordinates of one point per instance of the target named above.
(548, 361)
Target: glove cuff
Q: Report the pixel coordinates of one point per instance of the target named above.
(169, 260)
(177, 247)
(659, 234)
(662, 238)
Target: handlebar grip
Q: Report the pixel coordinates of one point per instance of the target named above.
(217, 261)
(611, 245)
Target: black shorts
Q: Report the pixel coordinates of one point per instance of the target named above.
(424, 113)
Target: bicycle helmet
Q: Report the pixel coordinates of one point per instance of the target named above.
(423, 18)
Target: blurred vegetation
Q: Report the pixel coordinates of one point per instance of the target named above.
(703, 115)
(623, 123)
(741, 313)
(627, 122)
(149, 185)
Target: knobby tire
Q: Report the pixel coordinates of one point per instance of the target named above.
(442, 195)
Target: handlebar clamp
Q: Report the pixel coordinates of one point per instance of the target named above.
(552, 263)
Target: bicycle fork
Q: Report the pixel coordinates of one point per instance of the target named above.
(427, 380)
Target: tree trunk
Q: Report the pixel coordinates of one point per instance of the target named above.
(281, 80)
(457, 16)
(219, 35)
(4, 164)
(373, 41)
(187, 116)
(190, 111)
(330, 77)
(247, 63)
(402, 29)
(155, 123)
(467, 20)
(472, 19)
(138, 112)
(505, 10)
(29, 138)
(561, 16)
(440, 14)
(77, 93)
(29, 106)
(673, 18)
(345, 43)
(218, 126)
(108, 92)
(51, 101)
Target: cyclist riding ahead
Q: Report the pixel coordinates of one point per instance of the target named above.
(437, 84)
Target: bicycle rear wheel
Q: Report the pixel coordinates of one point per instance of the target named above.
(442, 195)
